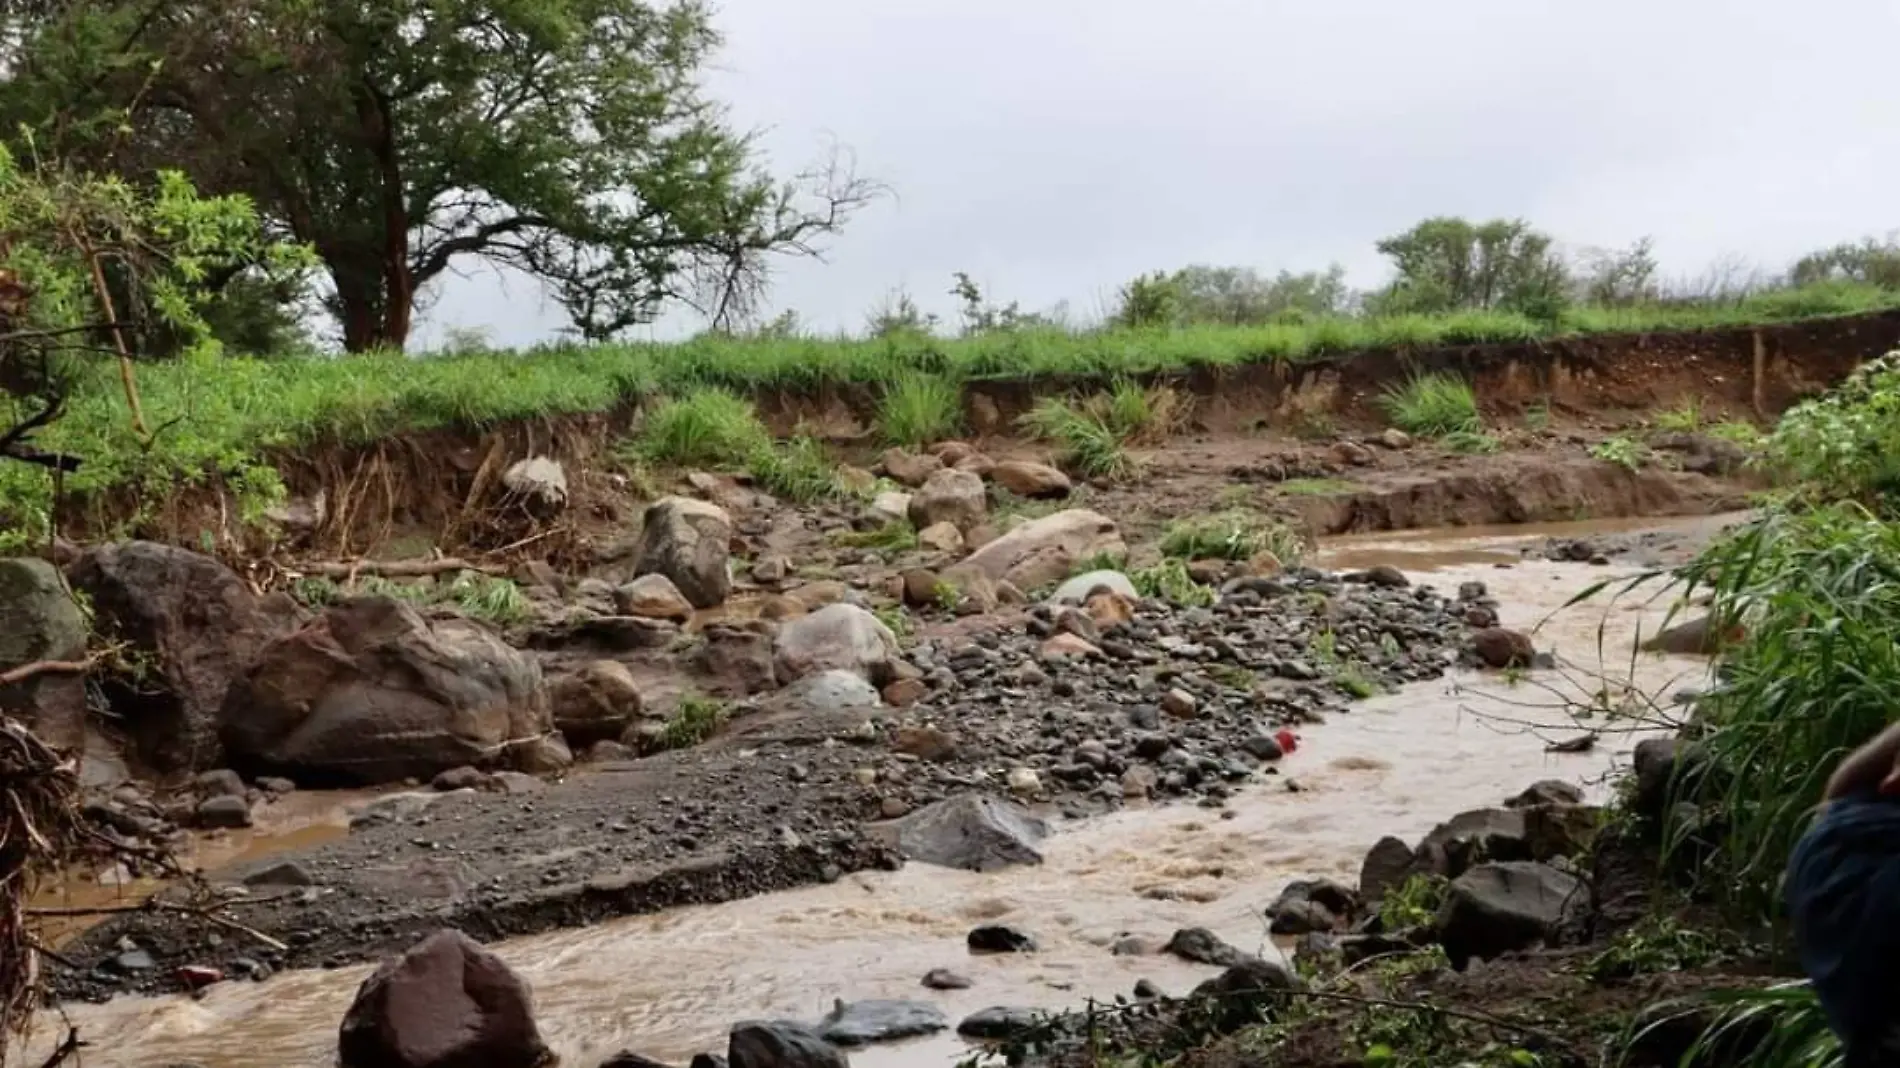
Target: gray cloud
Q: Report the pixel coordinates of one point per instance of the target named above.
(1055, 148)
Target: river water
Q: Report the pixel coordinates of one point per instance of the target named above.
(671, 984)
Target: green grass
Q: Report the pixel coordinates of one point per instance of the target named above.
(1236, 534)
(896, 536)
(920, 409)
(1315, 487)
(696, 719)
(1169, 581)
(799, 470)
(478, 596)
(1413, 903)
(1087, 444)
(1433, 406)
(708, 427)
(1780, 1026)
(224, 419)
(1685, 418)
(1622, 450)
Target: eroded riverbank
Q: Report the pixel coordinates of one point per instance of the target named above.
(670, 984)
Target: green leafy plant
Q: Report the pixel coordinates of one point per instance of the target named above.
(1169, 581)
(1473, 443)
(1658, 944)
(1098, 562)
(1235, 534)
(1315, 487)
(1779, 1026)
(1747, 435)
(1087, 444)
(1623, 451)
(1413, 903)
(919, 409)
(1685, 418)
(1845, 443)
(798, 470)
(696, 719)
(895, 619)
(1433, 405)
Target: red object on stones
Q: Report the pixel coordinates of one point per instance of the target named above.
(194, 975)
(1288, 740)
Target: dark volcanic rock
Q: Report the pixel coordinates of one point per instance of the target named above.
(999, 1023)
(39, 621)
(198, 625)
(945, 979)
(446, 1003)
(1200, 945)
(1495, 909)
(780, 1045)
(1547, 792)
(997, 938)
(1498, 647)
(1470, 837)
(1389, 863)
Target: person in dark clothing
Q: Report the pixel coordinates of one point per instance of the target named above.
(1843, 896)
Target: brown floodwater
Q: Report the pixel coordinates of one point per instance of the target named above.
(670, 985)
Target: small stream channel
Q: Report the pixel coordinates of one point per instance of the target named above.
(669, 985)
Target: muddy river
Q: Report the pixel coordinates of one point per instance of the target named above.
(669, 985)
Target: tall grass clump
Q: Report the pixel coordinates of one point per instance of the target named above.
(707, 427)
(1086, 443)
(1433, 405)
(1779, 1026)
(1235, 534)
(919, 409)
(1817, 596)
(798, 470)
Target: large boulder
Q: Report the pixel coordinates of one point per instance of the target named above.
(909, 468)
(595, 701)
(39, 621)
(736, 658)
(860, 1023)
(1495, 909)
(688, 541)
(653, 596)
(950, 496)
(371, 692)
(1031, 480)
(1474, 837)
(1042, 551)
(1499, 647)
(971, 832)
(838, 637)
(445, 1003)
(780, 1045)
(195, 624)
(1387, 865)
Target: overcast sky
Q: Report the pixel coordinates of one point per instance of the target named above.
(1056, 148)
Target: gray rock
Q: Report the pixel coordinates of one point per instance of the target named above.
(689, 541)
(653, 596)
(1042, 551)
(540, 480)
(223, 812)
(222, 782)
(1077, 590)
(1547, 792)
(971, 832)
(945, 979)
(196, 624)
(371, 692)
(950, 496)
(1389, 863)
(1200, 945)
(39, 621)
(860, 1023)
(1495, 909)
(1300, 917)
(828, 691)
(838, 637)
(1472, 837)
(284, 873)
(1664, 768)
(780, 1045)
(738, 658)
(999, 1023)
(594, 701)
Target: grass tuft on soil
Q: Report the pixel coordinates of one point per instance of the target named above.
(1235, 534)
(920, 409)
(223, 418)
(1433, 406)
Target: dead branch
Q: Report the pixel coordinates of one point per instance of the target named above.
(69, 1046)
(47, 667)
(393, 568)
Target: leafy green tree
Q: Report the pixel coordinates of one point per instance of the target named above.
(1871, 261)
(1446, 264)
(565, 138)
(1233, 296)
(1618, 277)
(897, 315)
(1150, 300)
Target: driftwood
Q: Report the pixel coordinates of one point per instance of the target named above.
(47, 667)
(391, 568)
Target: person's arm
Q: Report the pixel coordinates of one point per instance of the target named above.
(1873, 768)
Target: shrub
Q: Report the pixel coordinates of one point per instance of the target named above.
(696, 719)
(1846, 443)
(1433, 405)
(1088, 445)
(1622, 450)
